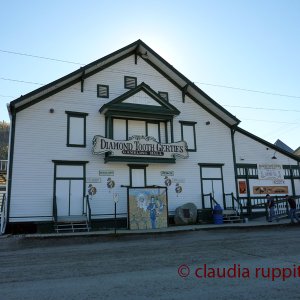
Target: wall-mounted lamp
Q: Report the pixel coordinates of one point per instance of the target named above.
(51, 110)
(207, 123)
(274, 157)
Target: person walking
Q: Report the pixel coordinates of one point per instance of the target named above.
(292, 204)
(271, 206)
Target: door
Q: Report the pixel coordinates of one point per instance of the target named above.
(214, 187)
(69, 190)
(69, 197)
(212, 183)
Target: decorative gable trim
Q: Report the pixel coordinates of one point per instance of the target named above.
(140, 50)
(118, 107)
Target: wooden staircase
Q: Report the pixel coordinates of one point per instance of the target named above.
(231, 216)
(72, 224)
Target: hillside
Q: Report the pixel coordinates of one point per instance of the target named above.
(4, 137)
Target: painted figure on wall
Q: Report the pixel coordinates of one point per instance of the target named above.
(152, 207)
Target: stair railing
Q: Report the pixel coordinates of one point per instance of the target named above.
(3, 214)
(212, 200)
(88, 209)
(54, 209)
(281, 206)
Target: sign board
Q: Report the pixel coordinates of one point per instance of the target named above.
(145, 146)
(93, 179)
(270, 171)
(166, 173)
(270, 190)
(106, 172)
(179, 180)
(116, 197)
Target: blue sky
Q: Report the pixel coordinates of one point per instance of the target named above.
(252, 45)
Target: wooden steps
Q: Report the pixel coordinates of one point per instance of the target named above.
(72, 224)
(231, 216)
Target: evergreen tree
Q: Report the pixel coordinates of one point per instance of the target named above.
(4, 138)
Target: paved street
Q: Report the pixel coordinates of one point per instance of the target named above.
(259, 263)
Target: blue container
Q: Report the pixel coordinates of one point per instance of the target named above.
(218, 214)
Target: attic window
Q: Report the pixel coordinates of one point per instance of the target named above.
(102, 91)
(130, 82)
(164, 95)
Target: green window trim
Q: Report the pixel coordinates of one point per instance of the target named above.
(192, 124)
(133, 166)
(147, 121)
(101, 88)
(164, 95)
(130, 82)
(74, 114)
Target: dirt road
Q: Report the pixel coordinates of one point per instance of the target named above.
(213, 264)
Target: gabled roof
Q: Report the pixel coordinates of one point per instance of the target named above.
(118, 106)
(297, 151)
(283, 146)
(138, 48)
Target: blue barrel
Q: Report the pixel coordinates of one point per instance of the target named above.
(218, 214)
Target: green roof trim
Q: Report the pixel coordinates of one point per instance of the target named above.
(135, 48)
(118, 106)
(139, 159)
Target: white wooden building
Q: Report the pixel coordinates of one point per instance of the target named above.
(123, 96)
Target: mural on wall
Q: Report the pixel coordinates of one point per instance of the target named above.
(270, 190)
(147, 208)
(242, 187)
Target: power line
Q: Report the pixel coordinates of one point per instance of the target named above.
(7, 96)
(268, 121)
(42, 57)
(95, 91)
(21, 81)
(204, 83)
(262, 108)
(249, 90)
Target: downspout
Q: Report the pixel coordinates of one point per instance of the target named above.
(12, 115)
(233, 130)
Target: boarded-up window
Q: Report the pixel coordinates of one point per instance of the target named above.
(102, 91)
(130, 82)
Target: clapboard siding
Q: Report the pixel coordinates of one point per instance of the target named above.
(249, 151)
(42, 137)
